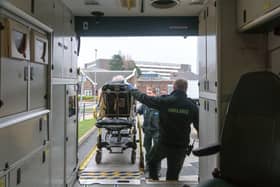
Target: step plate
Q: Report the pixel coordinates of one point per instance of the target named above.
(110, 177)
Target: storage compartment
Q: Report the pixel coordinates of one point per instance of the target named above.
(39, 48)
(18, 40)
(19, 140)
(33, 173)
(14, 81)
(71, 130)
(38, 85)
(208, 125)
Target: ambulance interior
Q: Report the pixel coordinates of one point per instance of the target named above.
(40, 43)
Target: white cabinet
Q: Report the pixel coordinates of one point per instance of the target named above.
(211, 49)
(207, 48)
(202, 51)
(228, 54)
(64, 62)
(208, 133)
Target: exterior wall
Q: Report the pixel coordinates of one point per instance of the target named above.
(88, 86)
(161, 85)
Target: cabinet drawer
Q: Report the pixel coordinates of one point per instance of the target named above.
(18, 140)
(33, 173)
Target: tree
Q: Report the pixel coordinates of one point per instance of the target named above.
(116, 63)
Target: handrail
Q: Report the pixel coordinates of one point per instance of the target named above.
(18, 118)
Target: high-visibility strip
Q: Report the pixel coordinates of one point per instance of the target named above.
(88, 158)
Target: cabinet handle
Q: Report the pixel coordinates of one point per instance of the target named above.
(66, 139)
(244, 16)
(25, 73)
(216, 109)
(216, 84)
(65, 47)
(70, 70)
(198, 84)
(18, 176)
(208, 85)
(207, 11)
(207, 106)
(1, 103)
(40, 124)
(204, 85)
(52, 67)
(32, 73)
(79, 71)
(205, 102)
(60, 44)
(44, 157)
(75, 52)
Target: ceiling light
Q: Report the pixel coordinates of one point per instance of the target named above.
(164, 3)
(97, 13)
(91, 2)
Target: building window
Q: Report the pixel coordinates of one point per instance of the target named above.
(88, 92)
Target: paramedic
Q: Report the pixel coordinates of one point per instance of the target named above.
(176, 113)
(150, 125)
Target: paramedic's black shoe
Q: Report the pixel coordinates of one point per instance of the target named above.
(185, 185)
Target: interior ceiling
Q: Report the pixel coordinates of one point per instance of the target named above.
(116, 8)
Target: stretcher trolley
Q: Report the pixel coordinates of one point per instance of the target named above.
(117, 121)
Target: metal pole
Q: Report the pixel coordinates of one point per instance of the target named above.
(84, 111)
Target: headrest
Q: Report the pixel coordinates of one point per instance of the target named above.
(257, 93)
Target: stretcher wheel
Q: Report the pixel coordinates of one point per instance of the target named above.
(133, 156)
(98, 157)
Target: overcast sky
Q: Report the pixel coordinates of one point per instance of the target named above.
(156, 49)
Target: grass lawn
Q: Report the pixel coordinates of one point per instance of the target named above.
(85, 126)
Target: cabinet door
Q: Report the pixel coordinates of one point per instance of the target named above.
(58, 136)
(19, 140)
(44, 11)
(38, 86)
(211, 43)
(14, 79)
(23, 5)
(71, 130)
(58, 46)
(33, 173)
(74, 60)
(68, 30)
(202, 50)
(208, 128)
(248, 10)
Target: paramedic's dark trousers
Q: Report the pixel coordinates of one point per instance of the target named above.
(175, 160)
